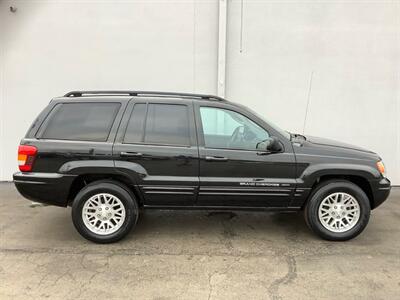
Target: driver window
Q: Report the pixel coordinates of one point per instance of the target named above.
(226, 129)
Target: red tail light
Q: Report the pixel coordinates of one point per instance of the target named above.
(26, 157)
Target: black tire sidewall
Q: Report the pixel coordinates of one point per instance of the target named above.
(321, 193)
(127, 199)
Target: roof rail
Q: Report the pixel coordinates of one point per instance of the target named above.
(81, 93)
(145, 93)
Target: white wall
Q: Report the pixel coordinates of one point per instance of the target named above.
(352, 48)
(51, 47)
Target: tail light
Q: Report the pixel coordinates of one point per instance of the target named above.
(26, 157)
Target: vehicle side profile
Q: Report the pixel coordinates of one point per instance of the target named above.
(109, 153)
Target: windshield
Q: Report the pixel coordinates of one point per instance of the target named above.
(281, 131)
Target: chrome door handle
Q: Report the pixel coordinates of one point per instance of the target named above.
(131, 154)
(216, 158)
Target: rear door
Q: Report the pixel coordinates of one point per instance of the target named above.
(156, 147)
(235, 170)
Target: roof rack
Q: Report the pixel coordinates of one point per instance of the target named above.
(145, 93)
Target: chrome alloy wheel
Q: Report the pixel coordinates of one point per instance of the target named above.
(103, 214)
(339, 212)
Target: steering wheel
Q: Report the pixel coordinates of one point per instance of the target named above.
(237, 136)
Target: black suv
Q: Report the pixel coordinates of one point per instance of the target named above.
(108, 153)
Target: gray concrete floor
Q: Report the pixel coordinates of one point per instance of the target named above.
(195, 255)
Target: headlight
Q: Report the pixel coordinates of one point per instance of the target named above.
(381, 168)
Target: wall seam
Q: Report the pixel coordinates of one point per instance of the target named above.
(222, 24)
(397, 97)
(2, 66)
(194, 46)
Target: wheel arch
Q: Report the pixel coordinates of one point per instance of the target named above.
(84, 179)
(358, 180)
(360, 175)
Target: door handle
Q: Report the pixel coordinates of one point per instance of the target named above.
(131, 154)
(216, 158)
(264, 153)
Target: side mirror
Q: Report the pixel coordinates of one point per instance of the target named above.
(274, 145)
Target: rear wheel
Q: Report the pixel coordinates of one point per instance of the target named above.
(338, 210)
(104, 212)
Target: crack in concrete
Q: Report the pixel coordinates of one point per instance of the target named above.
(210, 286)
(227, 231)
(97, 271)
(223, 272)
(237, 253)
(289, 277)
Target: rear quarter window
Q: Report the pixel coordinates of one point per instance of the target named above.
(80, 121)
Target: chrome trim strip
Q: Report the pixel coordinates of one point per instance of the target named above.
(234, 189)
(240, 194)
(169, 193)
(242, 208)
(42, 175)
(385, 188)
(29, 182)
(167, 188)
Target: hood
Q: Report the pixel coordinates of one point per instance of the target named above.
(326, 147)
(332, 143)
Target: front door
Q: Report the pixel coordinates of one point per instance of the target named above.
(235, 168)
(156, 147)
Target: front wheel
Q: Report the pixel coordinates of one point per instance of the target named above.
(104, 211)
(338, 210)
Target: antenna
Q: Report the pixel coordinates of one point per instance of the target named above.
(308, 101)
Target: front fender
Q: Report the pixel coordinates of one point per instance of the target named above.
(315, 171)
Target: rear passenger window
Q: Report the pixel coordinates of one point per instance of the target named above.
(134, 131)
(166, 124)
(81, 121)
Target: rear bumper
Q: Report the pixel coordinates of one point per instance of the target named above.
(381, 190)
(49, 188)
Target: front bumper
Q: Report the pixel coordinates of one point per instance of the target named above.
(380, 190)
(49, 188)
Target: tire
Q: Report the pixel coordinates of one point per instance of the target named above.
(112, 211)
(337, 210)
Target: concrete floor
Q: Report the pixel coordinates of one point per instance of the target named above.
(195, 255)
